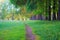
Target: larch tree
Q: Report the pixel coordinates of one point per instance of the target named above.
(29, 6)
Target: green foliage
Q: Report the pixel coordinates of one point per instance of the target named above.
(34, 4)
(30, 4)
(18, 2)
(37, 11)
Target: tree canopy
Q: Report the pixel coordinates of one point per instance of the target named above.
(30, 4)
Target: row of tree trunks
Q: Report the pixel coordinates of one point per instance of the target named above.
(52, 8)
(37, 17)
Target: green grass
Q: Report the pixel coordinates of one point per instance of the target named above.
(14, 30)
(46, 30)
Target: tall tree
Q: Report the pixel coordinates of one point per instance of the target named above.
(35, 6)
(54, 8)
(58, 15)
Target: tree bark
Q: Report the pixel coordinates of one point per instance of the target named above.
(58, 15)
(54, 6)
(49, 13)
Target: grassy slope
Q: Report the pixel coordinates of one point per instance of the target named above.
(16, 30)
(46, 30)
(12, 31)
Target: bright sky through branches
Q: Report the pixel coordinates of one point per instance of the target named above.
(2, 1)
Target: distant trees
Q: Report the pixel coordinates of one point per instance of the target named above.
(52, 9)
(41, 9)
(3, 11)
(8, 11)
(33, 9)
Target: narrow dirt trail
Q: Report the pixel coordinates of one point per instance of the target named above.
(29, 34)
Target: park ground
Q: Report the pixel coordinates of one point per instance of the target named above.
(16, 30)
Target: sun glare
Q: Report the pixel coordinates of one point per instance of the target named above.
(1, 1)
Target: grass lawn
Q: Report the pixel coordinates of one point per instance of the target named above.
(15, 30)
(46, 30)
(12, 30)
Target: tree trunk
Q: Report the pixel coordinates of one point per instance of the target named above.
(39, 17)
(33, 17)
(54, 16)
(49, 13)
(54, 6)
(58, 15)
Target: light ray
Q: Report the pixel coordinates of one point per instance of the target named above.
(1, 1)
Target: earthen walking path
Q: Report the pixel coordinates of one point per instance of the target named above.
(29, 34)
